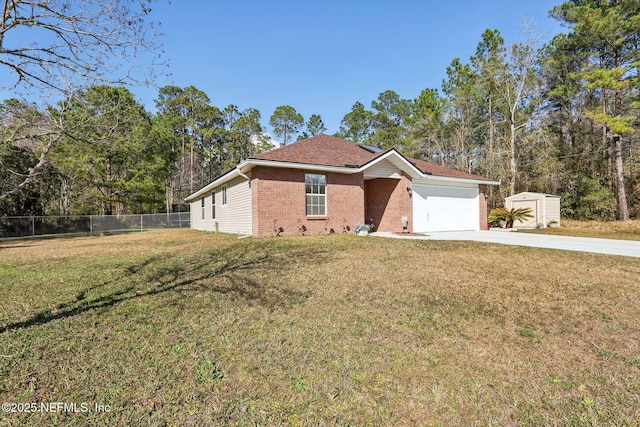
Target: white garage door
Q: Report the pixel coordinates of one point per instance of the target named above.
(438, 208)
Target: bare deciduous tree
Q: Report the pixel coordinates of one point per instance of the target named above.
(63, 44)
(23, 126)
(59, 46)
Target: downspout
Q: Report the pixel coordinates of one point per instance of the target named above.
(243, 175)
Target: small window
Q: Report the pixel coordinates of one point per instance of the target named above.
(224, 195)
(202, 206)
(316, 192)
(213, 205)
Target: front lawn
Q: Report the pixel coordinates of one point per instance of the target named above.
(180, 327)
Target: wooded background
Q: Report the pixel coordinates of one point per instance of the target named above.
(561, 119)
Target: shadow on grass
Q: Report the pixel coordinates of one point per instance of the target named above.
(16, 246)
(233, 270)
(9, 240)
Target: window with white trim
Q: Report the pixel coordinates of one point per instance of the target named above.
(316, 194)
(202, 206)
(213, 205)
(224, 195)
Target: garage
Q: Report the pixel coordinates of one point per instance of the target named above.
(443, 208)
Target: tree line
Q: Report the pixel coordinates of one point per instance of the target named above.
(560, 118)
(103, 153)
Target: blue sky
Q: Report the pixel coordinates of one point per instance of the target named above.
(321, 56)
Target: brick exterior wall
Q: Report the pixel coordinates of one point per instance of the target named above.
(484, 209)
(387, 201)
(279, 202)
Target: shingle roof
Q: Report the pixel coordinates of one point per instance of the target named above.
(437, 170)
(321, 150)
(325, 150)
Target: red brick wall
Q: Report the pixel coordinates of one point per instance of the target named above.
(279, 203)
(387, 202)
(484, 210)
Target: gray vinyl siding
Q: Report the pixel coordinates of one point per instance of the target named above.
(234, 217)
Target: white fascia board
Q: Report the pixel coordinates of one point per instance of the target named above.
(337, 169)
(399, 161)
(247, 165)
(543, 195)
(434, 178)
(204, 190)
(396, 158)
(410, 169)
(290, 165)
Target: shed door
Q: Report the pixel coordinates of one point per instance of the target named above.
(533, 205)
(445, 208)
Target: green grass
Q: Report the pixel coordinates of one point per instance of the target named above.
(180, 327)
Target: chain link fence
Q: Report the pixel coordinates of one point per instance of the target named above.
(22, 226)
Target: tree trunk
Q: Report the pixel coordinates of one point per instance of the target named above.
(168, 199)
(490, 136)
(65, 198)
(606, 140)
(491, 157)
(108, 191)
(31, 173)
(182, 168)
(191, 170)
(512, 160)
(623, 209)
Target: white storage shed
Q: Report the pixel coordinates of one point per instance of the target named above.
(545, 209)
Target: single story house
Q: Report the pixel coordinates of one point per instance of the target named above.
(325, 184)
(545, 209)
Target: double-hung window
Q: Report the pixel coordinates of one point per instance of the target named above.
(224, 195)
(202, 206)
(316, 192)
(213, 205)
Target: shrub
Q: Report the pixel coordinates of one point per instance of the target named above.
(509, 216)
(364, 227)
(589, 199)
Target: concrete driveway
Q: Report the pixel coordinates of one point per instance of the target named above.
(583, 244)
